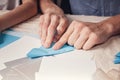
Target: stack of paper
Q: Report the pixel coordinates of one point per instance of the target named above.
(21, 69)
(13, 62)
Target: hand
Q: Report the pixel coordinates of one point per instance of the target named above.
(84, 35)
(52, 26)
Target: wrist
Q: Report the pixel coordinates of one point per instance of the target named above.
(53, 10)
(113, 25)
(107, 27)
(50, 7)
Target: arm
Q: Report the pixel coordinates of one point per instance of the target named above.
(85, 35)
(47, 6)
(53, 22)
(112, 24)
(19, 14)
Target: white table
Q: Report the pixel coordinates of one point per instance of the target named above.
(103, 54)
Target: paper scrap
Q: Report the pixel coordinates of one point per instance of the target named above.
(6, 39)
(40, 52)
(117, 58)
(18, 49)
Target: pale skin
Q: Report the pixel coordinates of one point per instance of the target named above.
(53, 22)
(19, 14)
(81, 35)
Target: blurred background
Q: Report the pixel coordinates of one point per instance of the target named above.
(8, 4)
(11, 4)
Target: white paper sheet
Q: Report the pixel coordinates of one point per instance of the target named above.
(18, 49)
(76, 65)
(13, 62)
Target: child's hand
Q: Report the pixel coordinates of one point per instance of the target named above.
(52, 26)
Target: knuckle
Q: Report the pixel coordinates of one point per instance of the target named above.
(45, 24)
(86, 30)
(54, 16)
(95, 36)
(60, 30)
(55, 19)
(45, 28)
(81, 24)
(74, 21)
(47, 14)
(64, 21)
(50, 29)
(52, 26)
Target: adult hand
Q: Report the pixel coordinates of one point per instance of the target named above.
(52, 26)
(84, 35)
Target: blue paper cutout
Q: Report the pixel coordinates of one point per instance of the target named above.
(40, 52)
(6, 39)
(1, 40)
(118, 54)
(117, 58)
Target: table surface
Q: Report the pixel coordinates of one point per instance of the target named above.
(103, 54)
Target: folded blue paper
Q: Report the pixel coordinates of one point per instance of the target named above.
(118, 54)
(40, 52)
(1, 38)
(117, 58)
(6, 39)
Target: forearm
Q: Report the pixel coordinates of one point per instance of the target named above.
(19, 14)
(47, 6)
(112, 24)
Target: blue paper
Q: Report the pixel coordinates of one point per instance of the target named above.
(117, 58)
(6, 39)
(118, 54)
(40, 52)
(1, 39)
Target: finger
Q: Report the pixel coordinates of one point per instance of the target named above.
(61, 28)
(75, 35)
(64, 38)
(45, 28)
(41, 24)
(91, 41)
(84, 35)
(47, 20)
(51, 30)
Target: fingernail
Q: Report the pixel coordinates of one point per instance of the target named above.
(55, 48)
(47, 45)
